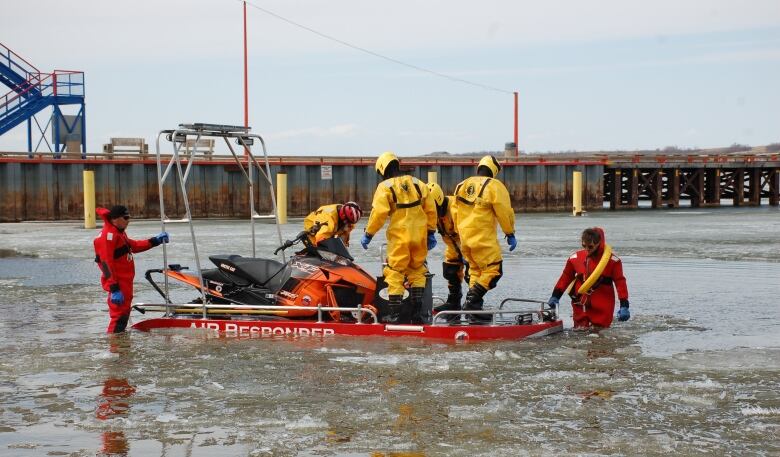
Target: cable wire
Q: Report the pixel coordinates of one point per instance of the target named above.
(376, 54)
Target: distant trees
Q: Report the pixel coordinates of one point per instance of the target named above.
(668, 150)
(773, 147)
(736, 147)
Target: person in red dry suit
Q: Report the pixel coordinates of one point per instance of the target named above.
(114, 255)
(595, 307)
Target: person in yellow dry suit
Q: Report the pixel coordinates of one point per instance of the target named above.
(452, 268)
(481, 201)
(405, 200)
(335, 220)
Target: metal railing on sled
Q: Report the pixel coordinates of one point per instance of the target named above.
(525, 316)
(273, 310)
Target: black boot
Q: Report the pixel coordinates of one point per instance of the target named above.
(407, 310)
(417, 295)
(393, 310)
(474, 302)
(452, 304)
(453, 273)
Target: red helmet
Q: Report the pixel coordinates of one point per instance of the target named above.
(350, 212)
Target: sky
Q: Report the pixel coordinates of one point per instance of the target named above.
(591, 75)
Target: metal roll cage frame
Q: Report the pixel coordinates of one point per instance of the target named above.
(178, 137)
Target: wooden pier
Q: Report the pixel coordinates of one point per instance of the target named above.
(696, 181)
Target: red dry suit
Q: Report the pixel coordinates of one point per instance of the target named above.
(114, 255)
(598, 306)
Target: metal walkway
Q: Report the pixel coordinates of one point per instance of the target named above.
(32, 91)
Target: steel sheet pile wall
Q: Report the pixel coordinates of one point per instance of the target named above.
(52, 190)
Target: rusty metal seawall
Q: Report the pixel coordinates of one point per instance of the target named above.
(44, 188)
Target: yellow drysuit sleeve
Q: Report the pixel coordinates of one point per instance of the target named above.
(502, 206)
(328, 218)
(380, 208)
(429, 206)
(330, 222)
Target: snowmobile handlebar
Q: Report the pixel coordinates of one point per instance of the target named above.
(284, 246)
(301, 237)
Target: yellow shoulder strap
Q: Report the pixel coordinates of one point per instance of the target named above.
(596, 274)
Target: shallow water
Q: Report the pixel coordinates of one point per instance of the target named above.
(695, 371)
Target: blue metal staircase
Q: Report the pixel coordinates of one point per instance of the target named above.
(33, 91)
(14, 70)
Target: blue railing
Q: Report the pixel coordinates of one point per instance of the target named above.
(57, 84)
(45, 89)
(17, 64)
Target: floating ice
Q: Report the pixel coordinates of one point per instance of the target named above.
(306, 422)
(760, 411)
(166, 417)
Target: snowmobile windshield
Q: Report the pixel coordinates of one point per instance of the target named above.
(334, 246)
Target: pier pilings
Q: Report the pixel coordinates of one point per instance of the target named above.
(700, 181)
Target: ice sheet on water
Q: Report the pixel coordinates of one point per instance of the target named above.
(707, 384)
(693, 400)
(48, 379)
(760, 411)
(168, 417)
(493, 408)
(729, 360)
(331, 350)
(373, 360)
(565, 375)
(306, 422)
(8, 282)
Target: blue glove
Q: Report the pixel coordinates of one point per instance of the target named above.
(117, 298)
(511, 241)
(161, 238)
(365, 240)
(623, 314)
(553, 302)
(431, 241)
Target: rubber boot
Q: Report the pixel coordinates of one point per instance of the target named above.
(474, 302)
(452, 304)
(417, 295)
(393, 310)
(407, 310)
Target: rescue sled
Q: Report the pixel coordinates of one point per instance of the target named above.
(319, 292)
(310, 329)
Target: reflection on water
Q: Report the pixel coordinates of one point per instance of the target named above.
(695, 371)
(114, 401)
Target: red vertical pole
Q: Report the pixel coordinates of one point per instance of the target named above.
(246, 83)
(517, 145)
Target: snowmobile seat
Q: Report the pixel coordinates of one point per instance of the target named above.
(256, 270)
(279, 279)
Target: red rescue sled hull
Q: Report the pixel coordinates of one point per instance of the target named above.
(270, 329)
